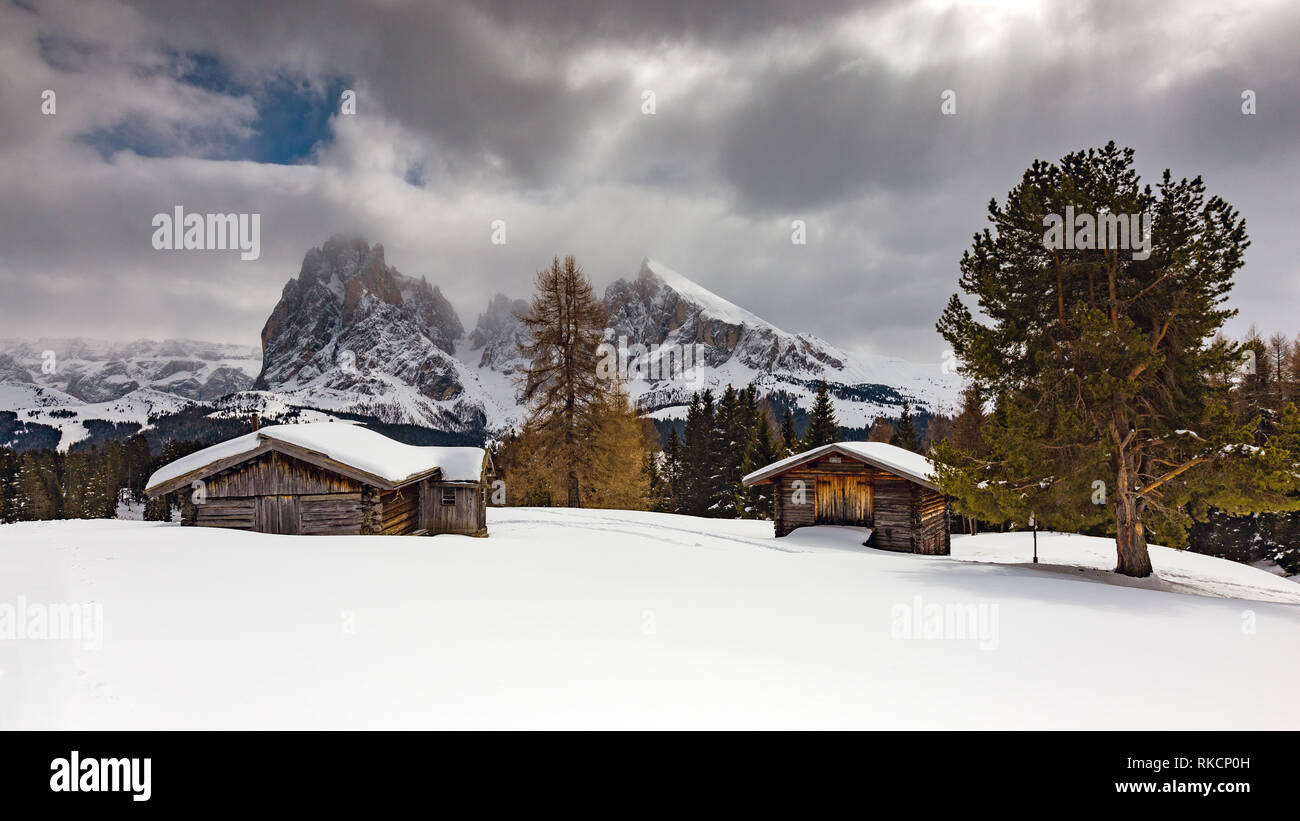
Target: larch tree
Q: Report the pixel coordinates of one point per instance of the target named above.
(1100, 357)
(882, 430)
(616, 453)
(561, 383)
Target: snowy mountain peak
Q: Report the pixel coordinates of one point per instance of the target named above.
(352, 333)
(708, 303)
(663, 307)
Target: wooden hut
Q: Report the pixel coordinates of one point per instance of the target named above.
(329, 478)
(863, 484)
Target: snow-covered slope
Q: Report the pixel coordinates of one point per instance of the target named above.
(70, 418)
(16, 395)
(605, 619)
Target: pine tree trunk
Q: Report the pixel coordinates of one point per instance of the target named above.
(1130, 539)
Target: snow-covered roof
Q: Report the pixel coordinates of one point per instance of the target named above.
(896, 460)
(352, 445)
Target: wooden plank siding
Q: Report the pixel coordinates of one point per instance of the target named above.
(893, 523)
(275, 493)
(794, 504)
(401, 510)
(234, 512)
(904, 515)
(277, 514)
(466, 514)
(935, 527)
(274, 474)
(843, 500)
(330, 513)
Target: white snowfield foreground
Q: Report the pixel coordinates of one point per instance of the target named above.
(614, 619)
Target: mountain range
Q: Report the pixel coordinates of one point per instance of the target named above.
(352, 335)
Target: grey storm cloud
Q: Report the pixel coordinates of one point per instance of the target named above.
(530, 112)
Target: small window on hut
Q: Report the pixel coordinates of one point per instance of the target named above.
(449, 496)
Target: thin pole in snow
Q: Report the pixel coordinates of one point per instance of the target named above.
(1034, 524)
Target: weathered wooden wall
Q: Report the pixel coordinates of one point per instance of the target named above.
(234, 512)
(274, 493)
(277, 514)
(401, 510)
(274, 474)
(330, 513)
(372, 511)
(793, 505)
(935, 523)
(843, 500)
(894, 523)
(467, 515)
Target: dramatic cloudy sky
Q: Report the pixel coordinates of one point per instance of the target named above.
(530, 112)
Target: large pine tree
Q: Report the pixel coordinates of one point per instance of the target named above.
(905, 435)
(698, 489)
(822, 427)
(10, 505)
(671, 473)
(39, 494)
(1101, 365)
(968, 437)
(762, 451)
(789, 438)
(729, 454)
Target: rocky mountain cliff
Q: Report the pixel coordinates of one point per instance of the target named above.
(351, 333)
(666, 312)
(498, 334)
